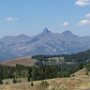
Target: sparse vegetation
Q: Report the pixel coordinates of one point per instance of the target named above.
(14, 80)
(74, 83)
(44, 84)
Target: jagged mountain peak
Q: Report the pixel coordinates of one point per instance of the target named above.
(44, 43)
(46, 30)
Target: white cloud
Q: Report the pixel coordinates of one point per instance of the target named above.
(82, 2)
(65, 24)
(87, 15)
(84, 22)
(11, 19)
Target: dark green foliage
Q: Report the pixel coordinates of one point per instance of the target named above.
(20, 71)
(40, 72)
(81, 65)
(87, 73)
(6, 71)
(32, 84)
(87, 65)
(14, 80)
(19, 81)
(1, 81)
(52, 71)
(41, 57)
(29, 76)
(77, 57)
(9, 72)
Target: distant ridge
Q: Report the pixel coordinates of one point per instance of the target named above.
(46, 42)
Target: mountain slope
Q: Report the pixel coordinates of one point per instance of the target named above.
(44, 43)
(26, 61)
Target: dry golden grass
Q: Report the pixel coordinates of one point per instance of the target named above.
(72, 83)
(81, 73)
(80, 82)
(27, 61)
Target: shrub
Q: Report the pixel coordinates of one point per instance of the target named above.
(32, 84)
(87, 73)
(14, 80)
(44, 84)
(19, 81)
(73, 75)
(7, 83)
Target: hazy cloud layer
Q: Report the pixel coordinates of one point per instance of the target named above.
(85, 20)
(82, 2)
(11, 19)
(87, 15)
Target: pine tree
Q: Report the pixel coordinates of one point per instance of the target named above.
(14, 80)
(1, 81)
(29, 74)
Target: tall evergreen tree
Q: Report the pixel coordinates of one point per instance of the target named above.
(1, 81)
(29, 76)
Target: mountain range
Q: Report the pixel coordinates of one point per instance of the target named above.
(46, 42)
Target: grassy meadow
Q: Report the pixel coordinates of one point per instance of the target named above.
(72, 83)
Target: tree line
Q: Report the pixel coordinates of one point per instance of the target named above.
(37, 72)
(75, 57)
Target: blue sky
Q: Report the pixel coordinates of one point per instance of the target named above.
(31, 16)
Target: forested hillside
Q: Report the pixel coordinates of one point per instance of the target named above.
(77, 57)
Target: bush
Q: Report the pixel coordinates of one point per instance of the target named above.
(32, 84)
(7, 83)
(73, 75)
(19, 81)
(14, 80)
(87, 73)
(44, 84)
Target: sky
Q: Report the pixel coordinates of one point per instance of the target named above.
(30, 17)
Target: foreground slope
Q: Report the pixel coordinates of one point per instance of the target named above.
(73, 83)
